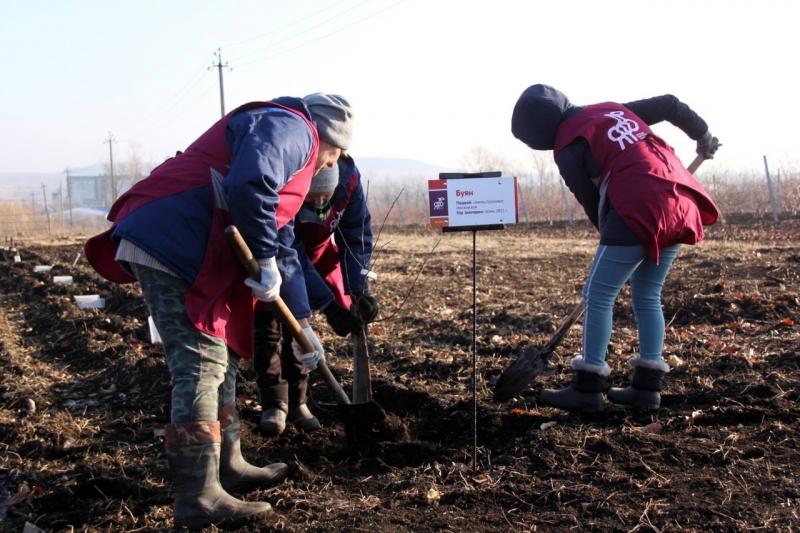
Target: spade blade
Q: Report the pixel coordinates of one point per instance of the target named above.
(533, 361)
(518, 376)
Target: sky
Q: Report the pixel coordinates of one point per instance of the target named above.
(428, 79)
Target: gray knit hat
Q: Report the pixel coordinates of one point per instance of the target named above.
(333, 117)
(326, 180)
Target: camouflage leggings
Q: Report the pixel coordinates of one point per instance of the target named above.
(203, 370)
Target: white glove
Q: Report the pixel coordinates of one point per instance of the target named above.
(309, 360)
(269, 287)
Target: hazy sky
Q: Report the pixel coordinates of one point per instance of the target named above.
(429, 79)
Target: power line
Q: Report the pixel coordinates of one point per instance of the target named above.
(286, 26)
(325, 36)
(176, 97)
(307, 30)
(179, 110)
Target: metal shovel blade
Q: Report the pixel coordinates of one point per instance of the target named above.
(533, 361)
(361, 415)
(516, 378)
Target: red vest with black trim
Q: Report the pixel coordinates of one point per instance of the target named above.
(315, 233)
(645, 182)
(316, 238)
(218, 302)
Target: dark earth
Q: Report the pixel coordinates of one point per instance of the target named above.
(83, 397)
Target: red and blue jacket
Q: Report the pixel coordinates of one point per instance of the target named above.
(348, 220)
(252, 168)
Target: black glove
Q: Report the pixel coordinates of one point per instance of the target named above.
(365, 306)
(341, 320)
(707, 145)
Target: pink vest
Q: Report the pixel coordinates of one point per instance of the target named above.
(659, 200)
(218, 302)
(321, 250)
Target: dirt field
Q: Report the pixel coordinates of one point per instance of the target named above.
(83, 398)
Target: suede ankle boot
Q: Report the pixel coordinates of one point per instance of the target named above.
(585, 393)
(647, 381)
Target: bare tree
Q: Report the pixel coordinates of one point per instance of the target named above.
(134, 166)
(480, 159)
(542, 165)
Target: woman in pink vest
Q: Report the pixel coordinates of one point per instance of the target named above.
(644, 203)
(252, 168)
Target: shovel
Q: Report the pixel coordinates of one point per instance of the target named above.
(362, 379)
(366, 413)
(533, 361)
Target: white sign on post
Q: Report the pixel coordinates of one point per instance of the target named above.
(473, 202)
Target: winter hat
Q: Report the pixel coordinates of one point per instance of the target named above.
(537, 115)
(333, 117)
(326, 180)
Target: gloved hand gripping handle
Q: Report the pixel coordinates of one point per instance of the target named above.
(245, 256)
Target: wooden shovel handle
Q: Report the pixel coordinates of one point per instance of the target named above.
(694, 165)
(243, 252)
(245, 256)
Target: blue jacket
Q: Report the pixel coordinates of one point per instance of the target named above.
(267, 145)
(349, 220)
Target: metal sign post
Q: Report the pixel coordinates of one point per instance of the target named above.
(472, 202)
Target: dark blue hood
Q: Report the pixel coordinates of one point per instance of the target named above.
(538, 113)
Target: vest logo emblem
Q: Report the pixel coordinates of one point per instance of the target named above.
(335, 219)
(624, 131)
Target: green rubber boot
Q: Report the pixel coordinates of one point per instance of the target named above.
(235, 473)
(193, 451)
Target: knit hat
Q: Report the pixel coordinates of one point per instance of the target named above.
(326, 180)
(333, 117)
(537, 115)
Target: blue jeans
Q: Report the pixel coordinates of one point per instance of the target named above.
(611, 268)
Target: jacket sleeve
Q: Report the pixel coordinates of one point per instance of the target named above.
(578, 167)
(319, 294)
(293, 286)
(669, 108)
(354, 239)
(268, 146)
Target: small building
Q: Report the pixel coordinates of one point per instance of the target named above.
(95, 191)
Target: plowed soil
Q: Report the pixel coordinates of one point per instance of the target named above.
(84, 395)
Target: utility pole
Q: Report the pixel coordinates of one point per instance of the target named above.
(219, 66)
(772, 200)
(69, 195)
(110, 142)
(46, 210)
(61, 204)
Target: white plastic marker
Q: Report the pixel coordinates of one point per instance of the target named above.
(62, 280)
(369, 274)
(43, 268)
(90, 301)
(155, 338)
